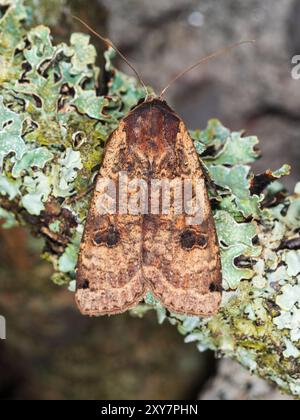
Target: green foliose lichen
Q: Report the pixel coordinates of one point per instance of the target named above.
(259, 322)
(53, 121)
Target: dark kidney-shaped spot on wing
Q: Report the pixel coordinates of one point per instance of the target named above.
(190, 239)
(214, 287)
(85, 284)
(110, 237)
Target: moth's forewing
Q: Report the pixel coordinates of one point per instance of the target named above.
(171, 253)
(186, 277)
(109, 275)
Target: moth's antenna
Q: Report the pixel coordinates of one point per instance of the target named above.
(112, 45)
(204, 60)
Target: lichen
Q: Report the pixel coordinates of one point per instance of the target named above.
(54, 123)
(259, 323)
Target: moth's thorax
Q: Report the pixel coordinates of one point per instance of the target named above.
(152, 127)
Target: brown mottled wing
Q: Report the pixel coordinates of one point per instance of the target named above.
(109, 277)
(181, 262)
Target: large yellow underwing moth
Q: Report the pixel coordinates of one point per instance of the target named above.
(150, 226)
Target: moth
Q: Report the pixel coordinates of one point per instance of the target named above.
(173, 254)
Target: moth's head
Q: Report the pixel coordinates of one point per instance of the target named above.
(148, 98)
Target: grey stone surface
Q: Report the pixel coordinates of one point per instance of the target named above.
(249, 88)
(234, 383)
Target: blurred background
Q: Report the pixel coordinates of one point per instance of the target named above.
(52, 352)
